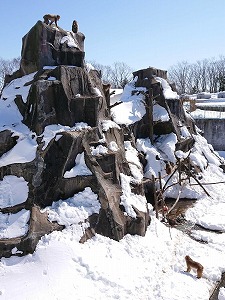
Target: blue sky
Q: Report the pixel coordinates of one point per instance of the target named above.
(140, 33)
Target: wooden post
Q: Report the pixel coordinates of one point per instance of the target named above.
(149, 112)
(161, 193)
(155, 198)
(179, 170)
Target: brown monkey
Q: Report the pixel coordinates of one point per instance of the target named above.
(168, 168)
(51, 18)
(75, 26)
(194, 265)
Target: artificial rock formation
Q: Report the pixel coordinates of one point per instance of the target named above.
(64, 92)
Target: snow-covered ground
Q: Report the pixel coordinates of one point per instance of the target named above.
(145, 268)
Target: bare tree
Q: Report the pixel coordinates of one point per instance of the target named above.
(221, 73)
(180, 74)
(105, 71)
(8, 66)
(212, 76)
(121, 74)
(118, 75)
(207, 75)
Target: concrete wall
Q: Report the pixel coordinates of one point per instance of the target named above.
(213, 131)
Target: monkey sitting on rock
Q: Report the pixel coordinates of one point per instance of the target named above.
(51, 18)
(191, 264)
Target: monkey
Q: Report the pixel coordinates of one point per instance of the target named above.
(194, 265)
(51, 18)
(168, 168)
(75, 26)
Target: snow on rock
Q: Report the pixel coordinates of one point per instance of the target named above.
(13, 191)
(154, 165)
(99, 150)
(131, 155)
(184, 132)
(79, 169)
(204, 148)
(14, 225)
(70, 40)
(113, 146)
(97, 92)
(160, 113)
(24, 151)
(89, 67)
(167, 144)
(221, 295)
(75, 209)
(51, 131)
(167, 91)
(129, 199)
(10, 116)
(107, 124)
(116, 96)
(132, 108)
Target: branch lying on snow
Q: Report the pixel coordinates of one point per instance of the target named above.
(115, 104)
(208, 183)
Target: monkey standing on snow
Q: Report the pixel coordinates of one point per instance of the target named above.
(51, 18)
(194, 265)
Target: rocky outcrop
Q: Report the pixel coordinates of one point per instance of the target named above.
(177, 116)
(57, 47)
(64, 92)
(46, 45)
(62, 114)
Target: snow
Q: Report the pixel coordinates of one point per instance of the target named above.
(132, 108)
(137, 267)
(207, 114)
(107, 124)
(167, 91)
(13, 191)
(129, 199)
(14, 225)
(24, 151)
(113, 146)
(70, 40)
(166, 144)
(75, 209)
(131, 155)
(11, 119)
(160, 113)
(221, 295)
(153, 166)
(116, 96)
(79, 168)
(99, 150)
(51, 131)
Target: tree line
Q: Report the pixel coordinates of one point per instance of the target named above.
(118, 75)
(8, 66)
(207, 75)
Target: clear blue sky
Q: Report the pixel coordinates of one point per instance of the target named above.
(140, 33)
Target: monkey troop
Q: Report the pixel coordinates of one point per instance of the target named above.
(194, 265)
(51, 18)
